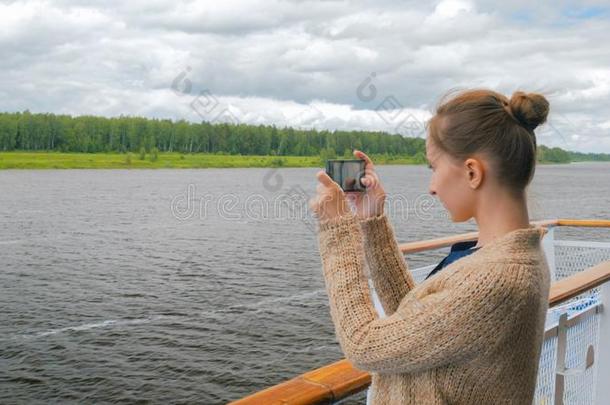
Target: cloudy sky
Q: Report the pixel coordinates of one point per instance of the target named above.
(375, 64)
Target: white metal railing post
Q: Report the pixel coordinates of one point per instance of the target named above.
(603, 350)
(548, 246)
(561, 371)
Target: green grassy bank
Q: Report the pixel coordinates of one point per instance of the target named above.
(56, 160)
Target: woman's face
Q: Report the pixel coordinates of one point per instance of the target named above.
(450, 182)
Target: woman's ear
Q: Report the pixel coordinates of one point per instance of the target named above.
(475, 172)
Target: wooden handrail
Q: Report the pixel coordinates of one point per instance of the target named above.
(320, 386)
(579, 283)
(437, 243)
(597, 223)
(341, 379)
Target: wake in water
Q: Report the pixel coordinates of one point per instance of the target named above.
(258, 306)
(10, 242)
(88, 326)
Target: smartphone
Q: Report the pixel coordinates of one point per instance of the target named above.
(347, 173)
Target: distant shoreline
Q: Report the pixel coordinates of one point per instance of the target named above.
(170, 160)
(164, 160)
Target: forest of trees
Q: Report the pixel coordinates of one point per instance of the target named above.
(49, 132)
(64, 133)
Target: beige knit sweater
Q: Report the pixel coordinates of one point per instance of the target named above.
(470, 334)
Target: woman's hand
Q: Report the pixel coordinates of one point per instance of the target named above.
(369, 203)
(330, 202)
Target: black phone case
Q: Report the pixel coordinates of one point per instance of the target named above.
(345, 174)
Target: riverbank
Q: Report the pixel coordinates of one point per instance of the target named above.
(56, 160)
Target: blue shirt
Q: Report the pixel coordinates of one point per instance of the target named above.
(458, 250)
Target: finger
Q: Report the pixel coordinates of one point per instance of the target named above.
(372, 173)
(313, 204)
(325, 179)
(362, 155)
(370, 184)
(367, 180)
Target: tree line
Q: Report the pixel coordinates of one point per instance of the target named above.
(50, 132)
(91, 134)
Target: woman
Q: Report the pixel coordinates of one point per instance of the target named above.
(471, 333)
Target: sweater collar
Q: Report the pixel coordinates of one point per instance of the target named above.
(521, 240)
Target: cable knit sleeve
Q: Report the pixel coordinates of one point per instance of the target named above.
(431, 327)
(388, 268)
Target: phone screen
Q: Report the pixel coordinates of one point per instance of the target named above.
(346, 173)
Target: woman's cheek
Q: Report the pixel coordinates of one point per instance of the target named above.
(447, 197)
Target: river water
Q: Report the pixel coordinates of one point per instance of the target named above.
(195, 286)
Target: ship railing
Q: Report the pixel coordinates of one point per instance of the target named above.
(575, 357)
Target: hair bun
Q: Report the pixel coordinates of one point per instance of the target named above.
(530, 109)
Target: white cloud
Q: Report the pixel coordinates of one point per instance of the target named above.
(303, 63)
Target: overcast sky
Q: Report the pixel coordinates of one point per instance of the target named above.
(376, 64)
